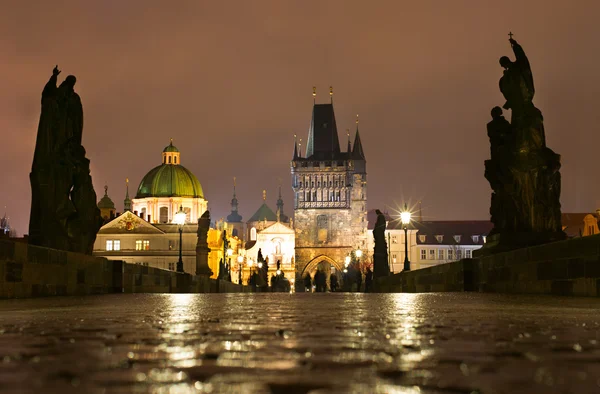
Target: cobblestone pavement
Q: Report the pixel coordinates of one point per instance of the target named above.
(301, 343)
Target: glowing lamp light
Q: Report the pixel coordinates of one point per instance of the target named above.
(180, 217)
(250, 263)
(278, 272)
(347, 261)
(229, 252)
(240, 259)
(260, 265)
(405, 216)
(345, 270)
(359, 253)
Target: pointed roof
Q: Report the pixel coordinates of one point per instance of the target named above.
(357, 152)
(129, 223)
(263, 213)
(323, 140)
(295, 148)
(127, 201)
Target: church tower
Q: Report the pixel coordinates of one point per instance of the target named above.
(330, 194)
(234, 219)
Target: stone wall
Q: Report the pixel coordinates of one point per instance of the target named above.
(570, 267)
(32, 271)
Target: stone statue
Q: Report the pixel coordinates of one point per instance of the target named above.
(523, 173)
(380, 255)
(202, 249)
(64, 214)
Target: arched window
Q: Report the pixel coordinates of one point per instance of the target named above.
(175, 160)
(253, 234)
(164, 214)
(169, 159)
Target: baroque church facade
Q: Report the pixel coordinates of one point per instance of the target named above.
(330, 195)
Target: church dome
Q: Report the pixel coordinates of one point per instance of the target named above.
(105, 202)
(170, 179)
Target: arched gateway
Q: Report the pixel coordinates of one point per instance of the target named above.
(312, 265)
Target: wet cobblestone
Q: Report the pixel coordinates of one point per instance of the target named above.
(301, 343)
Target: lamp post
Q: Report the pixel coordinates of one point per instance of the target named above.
(180, 221)
(240, 260)
(405, 218)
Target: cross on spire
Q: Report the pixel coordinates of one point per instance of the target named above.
(510, 34)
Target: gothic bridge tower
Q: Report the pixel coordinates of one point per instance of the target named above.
(330, 194)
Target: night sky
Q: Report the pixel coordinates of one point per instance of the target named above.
(231, 83)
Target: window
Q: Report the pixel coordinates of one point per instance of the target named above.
(450, 254)
(169, 159)
(175, 160)
(394, 258)
(188, 212)
(164, 214)
(171, 245)
(422, 238)
(171, 266)
(423, 254)
(457, 238)
(146, 244)
(441, 254)
(300, 184)
(117, 244)
(439, 238)
(138, 244)
(431, 254)
(458, 254)
(109, 245)
(394, 239)
(475, 239)
(312, 184)
(253, 234)
(468, 253)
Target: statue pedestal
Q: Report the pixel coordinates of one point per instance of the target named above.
(498, 243)
(202, 268)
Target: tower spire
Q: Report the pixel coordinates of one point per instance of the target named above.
(349, 146)
(314, 94)
(357, 152)
(295, 147)
(127, 201)
(234, 216)
(331, 94)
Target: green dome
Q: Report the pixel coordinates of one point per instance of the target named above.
(169, 180)
(170, 148)
(105, 202)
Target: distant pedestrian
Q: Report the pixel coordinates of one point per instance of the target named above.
(369, 280)
(358, 280)
(333, 282)
(307, 283)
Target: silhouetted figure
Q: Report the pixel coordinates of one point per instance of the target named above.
(308, 283)
(380, 255)
(368, 280)
(523, 173)
(333, 282)
(320, 281)
(358, 280)
(64, 214)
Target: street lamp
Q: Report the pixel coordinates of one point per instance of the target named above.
(180, 221)
(347, 261)
(240, 261)
(405, 218)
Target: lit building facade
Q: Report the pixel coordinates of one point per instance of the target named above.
(330, 196)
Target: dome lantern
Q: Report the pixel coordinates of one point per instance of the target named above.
(171, 155)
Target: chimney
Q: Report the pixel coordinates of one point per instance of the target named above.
(149, 219)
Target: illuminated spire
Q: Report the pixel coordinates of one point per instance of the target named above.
(295, 147)
(349, 146)
(127, 201)
(358, 152)
(264, 195)
(331, 93)
(314, 94)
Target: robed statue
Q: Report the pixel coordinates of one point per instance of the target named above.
(380, 253)
(64, 214)
(523, 172)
